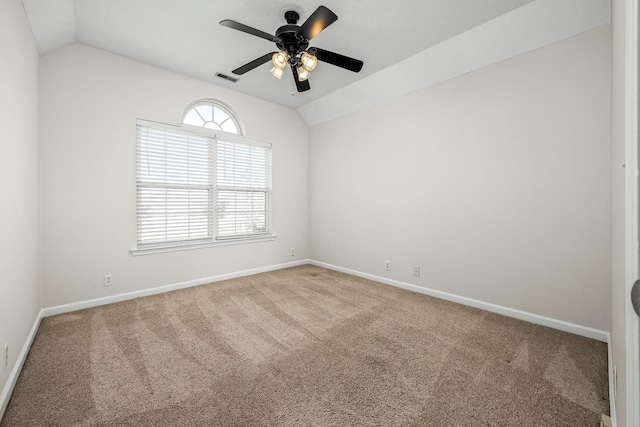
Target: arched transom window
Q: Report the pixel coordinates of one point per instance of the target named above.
(211, 115)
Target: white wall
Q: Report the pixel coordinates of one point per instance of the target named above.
(90, 100)
(495, 183)
(19, 182)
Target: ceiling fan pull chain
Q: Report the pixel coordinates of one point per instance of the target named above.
(292, 92)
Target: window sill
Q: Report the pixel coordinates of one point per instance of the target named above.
(186, 247)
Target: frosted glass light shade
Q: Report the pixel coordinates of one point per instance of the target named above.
(309, 61)
(279, 59)
(303, 74)
(277, 72)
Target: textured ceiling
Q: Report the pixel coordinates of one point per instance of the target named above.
(405, 46)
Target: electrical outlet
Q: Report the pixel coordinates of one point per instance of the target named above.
(5, 363)
(387, 265)
(416, 271)
(108, 279)
(293, 252)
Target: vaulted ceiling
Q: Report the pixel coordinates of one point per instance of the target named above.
(402, 44)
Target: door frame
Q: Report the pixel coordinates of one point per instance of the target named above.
(632, 227)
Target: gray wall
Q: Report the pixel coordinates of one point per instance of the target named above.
(19, 182)
(495, 183)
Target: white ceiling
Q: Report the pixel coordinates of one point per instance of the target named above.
(184, 36)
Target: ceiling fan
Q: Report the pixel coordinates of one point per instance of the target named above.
(293, 42)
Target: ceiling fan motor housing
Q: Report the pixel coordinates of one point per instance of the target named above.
(289, 39)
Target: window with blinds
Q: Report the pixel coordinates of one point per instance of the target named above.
(243, 186)
(199, 187)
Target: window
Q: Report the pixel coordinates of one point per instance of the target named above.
(200, 186)
(211, 116)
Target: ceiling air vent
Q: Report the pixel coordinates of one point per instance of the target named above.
(224, 76)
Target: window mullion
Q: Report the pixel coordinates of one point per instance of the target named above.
(213, 194)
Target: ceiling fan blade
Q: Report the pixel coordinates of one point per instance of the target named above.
(302, 86)
(338, 60)
(249, 30)
(318, 21)
(253, 64)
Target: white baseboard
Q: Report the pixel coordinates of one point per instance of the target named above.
(612, 399)
(81, 305)
(17, 368)
(561, 325)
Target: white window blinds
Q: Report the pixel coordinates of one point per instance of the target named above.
(243, 205)
(195, 188)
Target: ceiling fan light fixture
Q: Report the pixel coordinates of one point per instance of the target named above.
(293, 40)
(308, 61)
(279, 59)
(303, 74)
(277, 72)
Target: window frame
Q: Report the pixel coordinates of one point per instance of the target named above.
(213, 241)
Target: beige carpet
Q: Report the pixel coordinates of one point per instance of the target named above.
(305, 346)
